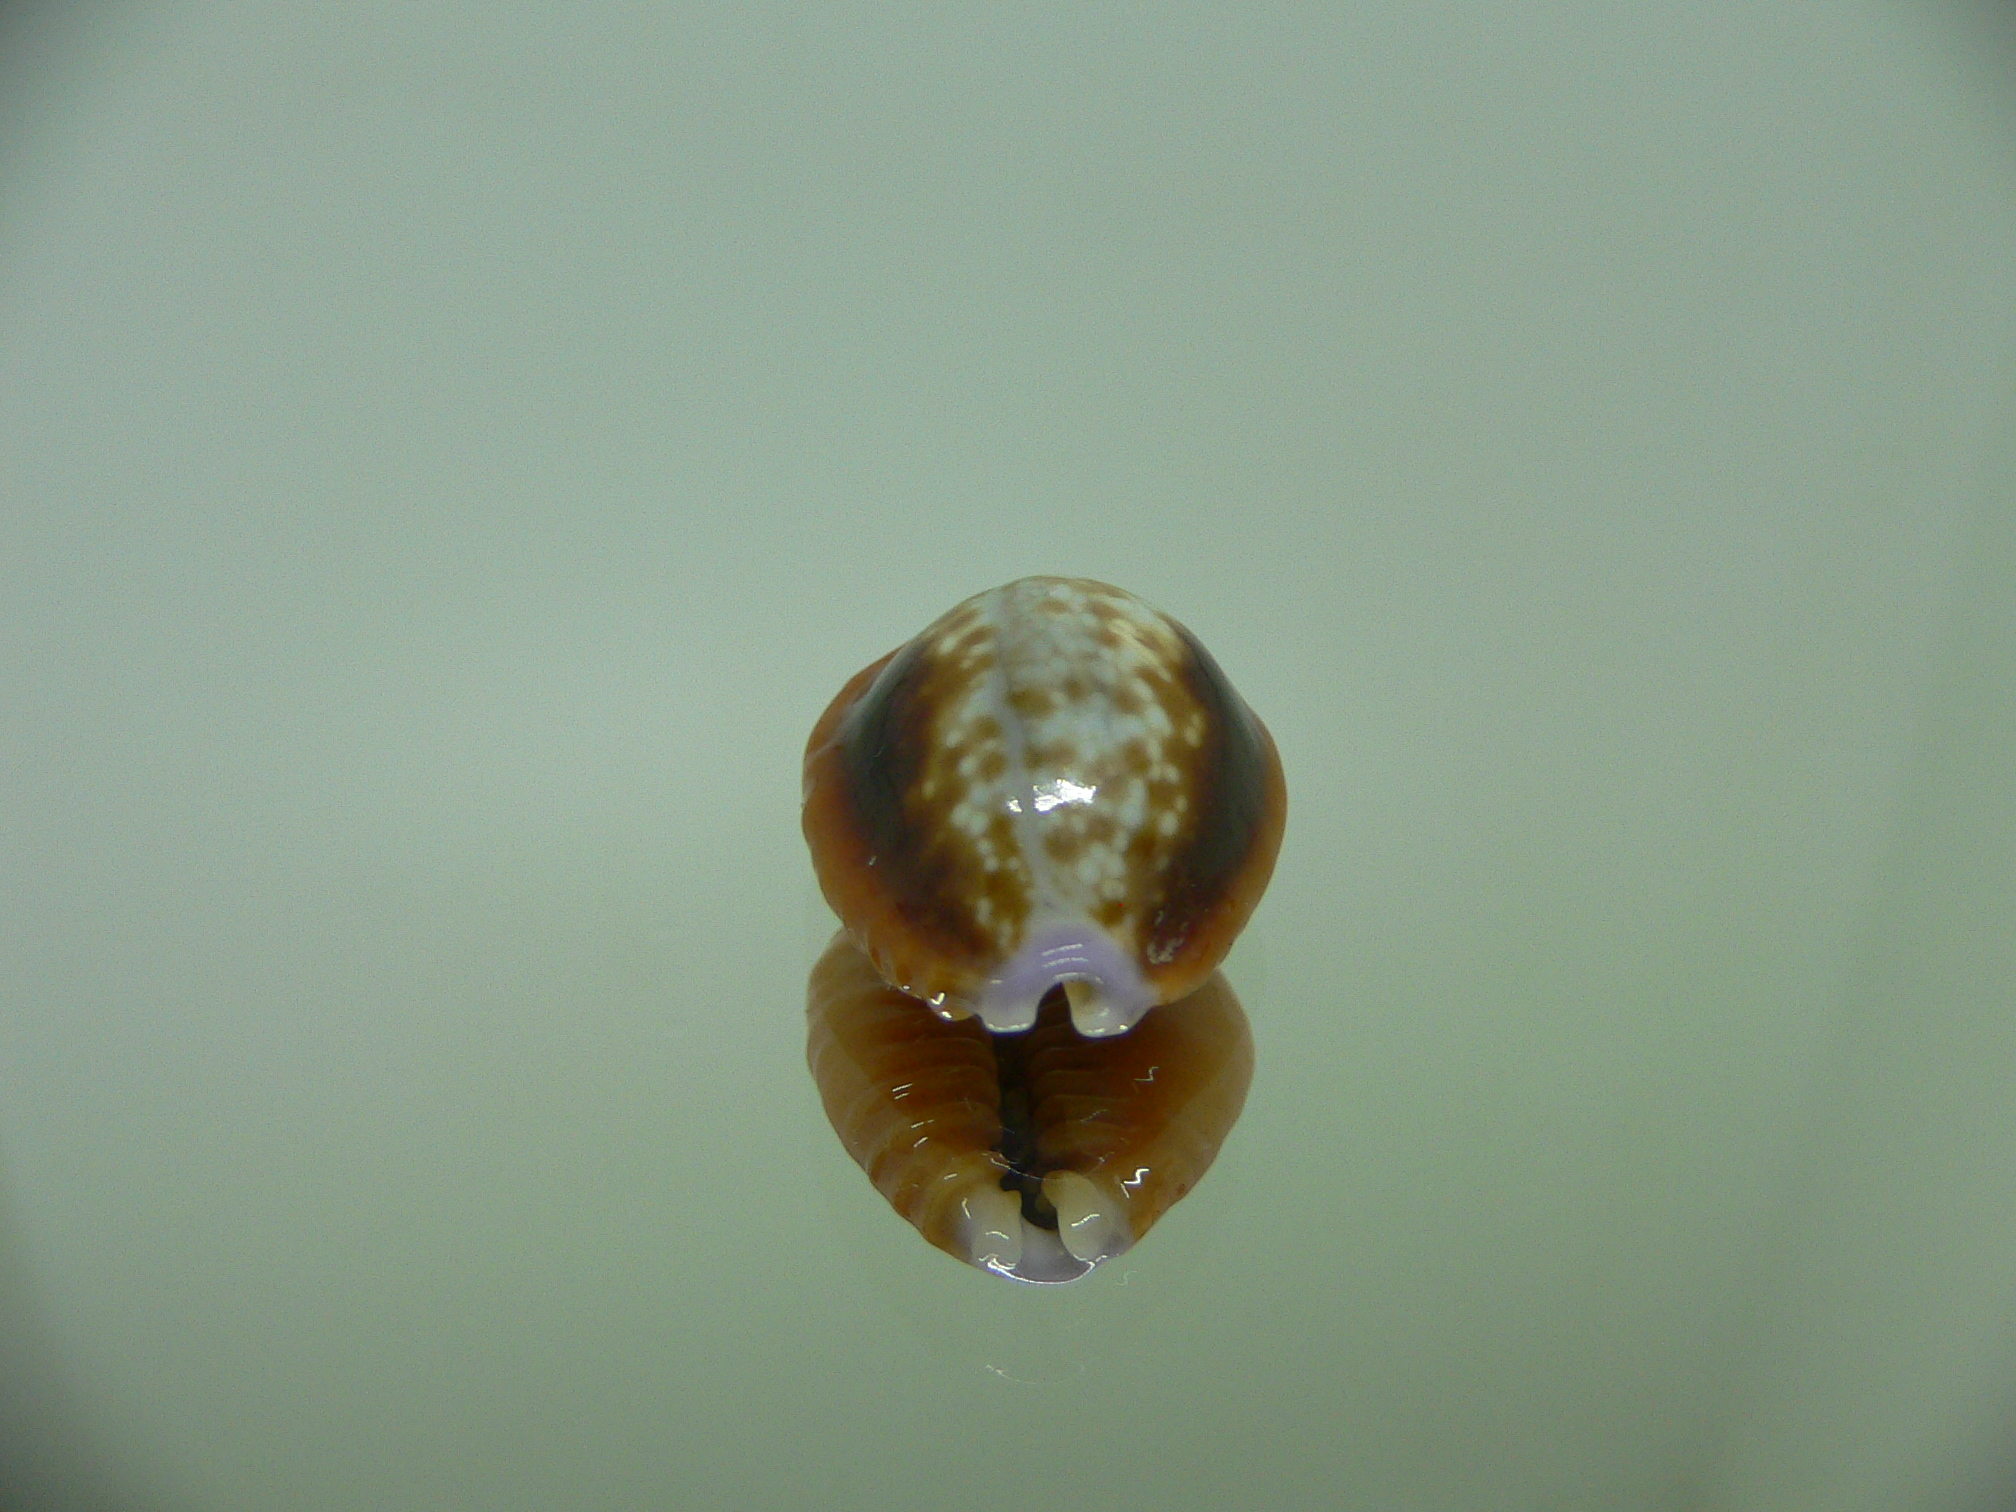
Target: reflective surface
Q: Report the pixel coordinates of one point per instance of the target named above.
(1034, 1155)
(449, 458)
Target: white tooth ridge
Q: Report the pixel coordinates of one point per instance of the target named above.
(1093, 1014)
(1110, 994)
(1006, 1017)
(1088, 1221)
(992, 1227)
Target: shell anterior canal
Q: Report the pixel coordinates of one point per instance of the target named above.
(1019, 1147)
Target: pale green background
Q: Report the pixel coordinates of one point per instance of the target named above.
(449, 456)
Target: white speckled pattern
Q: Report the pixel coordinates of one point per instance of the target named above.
(1064, 705)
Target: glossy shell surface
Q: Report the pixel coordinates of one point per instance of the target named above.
(1034, 1156)
(1052, 784)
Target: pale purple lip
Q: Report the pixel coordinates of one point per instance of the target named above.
(1044, 1262)
(1110, 995)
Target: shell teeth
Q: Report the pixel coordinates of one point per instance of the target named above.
(992, 1228)
(1108, 994)
(1009, 1015)
(1093, 1013)
(1088, 1220)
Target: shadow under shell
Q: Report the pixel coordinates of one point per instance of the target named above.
(1034, 1155)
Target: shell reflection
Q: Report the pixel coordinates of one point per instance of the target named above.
(1034, 1155)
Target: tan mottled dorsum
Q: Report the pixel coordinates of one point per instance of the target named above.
(1053, 783)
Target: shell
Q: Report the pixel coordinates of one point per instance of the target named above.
(1032, 1156)
(1054, 783)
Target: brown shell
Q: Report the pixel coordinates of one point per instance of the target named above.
(945, 1117)
(1053, 782)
